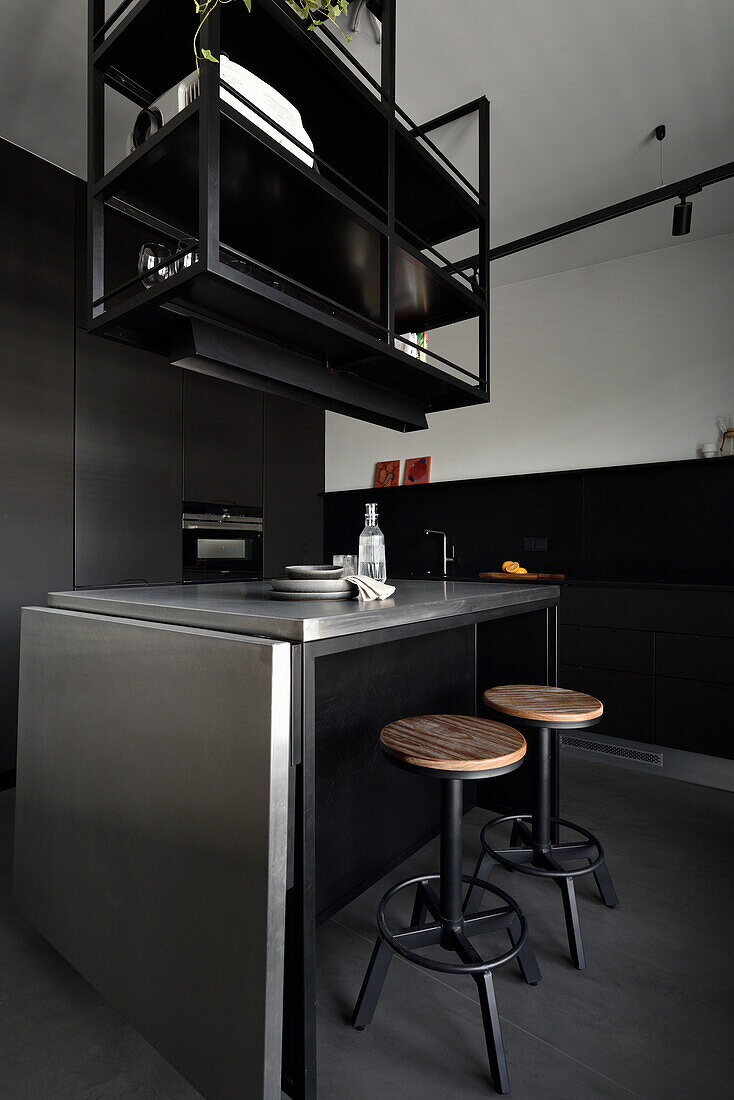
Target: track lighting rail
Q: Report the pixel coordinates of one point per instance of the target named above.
(691, 185)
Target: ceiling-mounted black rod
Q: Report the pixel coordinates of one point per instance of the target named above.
(688, 186)
(450, 116)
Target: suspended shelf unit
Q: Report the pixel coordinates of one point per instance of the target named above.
(309, 278)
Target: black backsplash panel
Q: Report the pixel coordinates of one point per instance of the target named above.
(664, 522)
(485, 519)
(667, 522)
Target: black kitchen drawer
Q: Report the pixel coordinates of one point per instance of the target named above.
(628, 698)
(674, 610)
(615, 649)
(695, 657)
(695, 716)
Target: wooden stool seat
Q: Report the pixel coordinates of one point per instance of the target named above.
(453, 743)
(540, 703)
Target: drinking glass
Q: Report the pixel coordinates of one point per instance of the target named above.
(150, 255)
(350, 565)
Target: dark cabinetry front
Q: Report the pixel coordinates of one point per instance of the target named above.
(695, 715)
(616, 649)
(223, 441)
(628, 697)
(36, 403)
(695, 692)
(128, 465)
(695, 657)
(660, 659)
(293, 483)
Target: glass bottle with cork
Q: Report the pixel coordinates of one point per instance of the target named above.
(372, 561)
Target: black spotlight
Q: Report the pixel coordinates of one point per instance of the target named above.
(682, 217)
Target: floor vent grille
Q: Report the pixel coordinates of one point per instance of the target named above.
(641, 756)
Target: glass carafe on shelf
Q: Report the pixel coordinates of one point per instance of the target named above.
(372, 547)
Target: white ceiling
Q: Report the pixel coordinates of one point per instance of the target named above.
(576, 87)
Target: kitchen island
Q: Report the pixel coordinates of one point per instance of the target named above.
(200, 782)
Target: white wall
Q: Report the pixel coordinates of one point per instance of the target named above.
(622, 362)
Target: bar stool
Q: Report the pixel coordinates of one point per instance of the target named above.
(533, 849)
(453, 749)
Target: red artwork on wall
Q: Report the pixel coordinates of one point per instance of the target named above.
(417, 471)
(387, 473)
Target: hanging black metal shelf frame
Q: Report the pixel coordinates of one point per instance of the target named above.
(308, 274)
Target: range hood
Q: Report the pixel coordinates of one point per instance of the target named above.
(236, 357)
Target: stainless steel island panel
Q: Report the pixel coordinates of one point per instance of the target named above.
(247, 609)
(151, 831)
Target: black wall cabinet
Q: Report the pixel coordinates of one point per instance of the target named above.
(128, 465)
(293, 481)
(36, 403)
(223, 441)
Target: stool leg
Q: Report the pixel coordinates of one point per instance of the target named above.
(492, 1033)
(452, 815)
(419, 907)
(425, 902)
(515, 837)
(542, 813)
(474, 895)
(526, 958)
(490, 1016)
(573, 925)
(605, 886)
(372, 985)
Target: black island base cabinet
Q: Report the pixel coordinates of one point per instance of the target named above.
(280, 814)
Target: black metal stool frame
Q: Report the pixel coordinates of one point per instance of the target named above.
(451, 927)
(539, 853)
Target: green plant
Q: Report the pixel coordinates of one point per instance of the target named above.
(315, 12)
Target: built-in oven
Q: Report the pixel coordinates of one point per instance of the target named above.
(221, 542)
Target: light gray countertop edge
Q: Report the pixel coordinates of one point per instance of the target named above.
(296, 622)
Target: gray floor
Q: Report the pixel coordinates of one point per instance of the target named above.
(650, 1017)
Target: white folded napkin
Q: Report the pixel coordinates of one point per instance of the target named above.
(370, 589)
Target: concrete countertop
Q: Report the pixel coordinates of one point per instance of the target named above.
(246, 608)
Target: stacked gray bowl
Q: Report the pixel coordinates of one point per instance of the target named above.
(313, 582)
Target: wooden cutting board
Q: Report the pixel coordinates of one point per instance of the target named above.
(525, 576)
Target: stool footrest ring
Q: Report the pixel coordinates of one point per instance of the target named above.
(437, 932)
(551, 856)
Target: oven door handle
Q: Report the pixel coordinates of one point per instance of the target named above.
(224, 525)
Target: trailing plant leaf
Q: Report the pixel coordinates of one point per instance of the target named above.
(314, 12)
